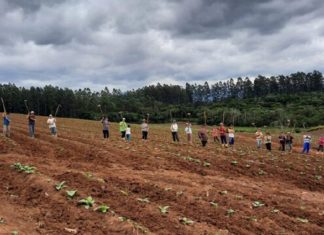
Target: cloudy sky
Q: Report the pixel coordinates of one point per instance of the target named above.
(131, 43)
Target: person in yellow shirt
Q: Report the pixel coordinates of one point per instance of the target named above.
(122, 128)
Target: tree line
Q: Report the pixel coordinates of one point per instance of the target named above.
(297, 98)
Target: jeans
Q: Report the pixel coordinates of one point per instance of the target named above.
(289, 146)
(306, 147)
(259, 143)
(6, 130)
(231, 141)
(105, 134)
(175, 136)
(128, 137)
(53, 130)
(31, 130)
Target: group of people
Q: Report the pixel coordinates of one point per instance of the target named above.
(31, 118)
(219, 134)
(223, 135)
(286, 141)
(124, 129)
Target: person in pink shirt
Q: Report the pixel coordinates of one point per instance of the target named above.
(321, 144)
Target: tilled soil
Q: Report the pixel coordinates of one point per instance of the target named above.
(218, 190)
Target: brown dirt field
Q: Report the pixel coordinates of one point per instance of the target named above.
(288, 186)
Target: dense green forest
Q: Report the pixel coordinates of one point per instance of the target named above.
(296, 100)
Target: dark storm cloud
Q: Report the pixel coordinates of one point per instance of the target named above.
(131, 43)
(218, 18)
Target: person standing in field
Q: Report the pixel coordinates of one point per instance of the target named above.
(282, 141)
(128, 133)
(320, 145)
(31, 123)
(231, 134)
(145, 129)
(122, 128)
(6, 124)
(174, 131)
(289, 142)
(259, 136)
(51, 122)
(188, 131)
(222, 133)
(215, 134)
(267, 141)
(105, 127)
(203, 136)
(307, 143)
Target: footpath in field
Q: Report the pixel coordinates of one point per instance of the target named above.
(153, 187)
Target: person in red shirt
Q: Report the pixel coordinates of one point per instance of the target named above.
(222, 133)
(321, 144)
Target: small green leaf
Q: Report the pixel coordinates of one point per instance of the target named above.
(257, 204)
(71, 193)
(230, 212)
(164, 209)
(60, 186)
(186, 221)
(87, 202)
(223, 192)
(144, 200)
(102, 208)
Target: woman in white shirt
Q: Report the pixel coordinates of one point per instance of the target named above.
(174, 131)
(188, 131)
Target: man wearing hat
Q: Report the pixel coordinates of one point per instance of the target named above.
(31, 123)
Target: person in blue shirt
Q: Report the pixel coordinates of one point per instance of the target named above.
(6, 124)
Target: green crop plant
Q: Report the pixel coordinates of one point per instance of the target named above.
(87, 202)
(185, 221)
(257, 204)
(60, 186)
(25, 168)
(143, 200)
(164, 209)
(206, 164)
(223, 192)
(71, 193)
(102, 208)
(230, 212)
